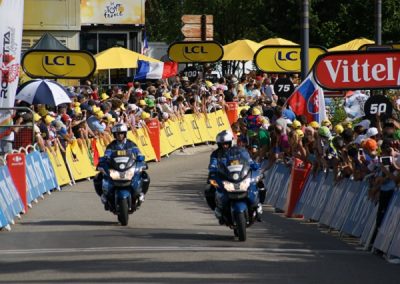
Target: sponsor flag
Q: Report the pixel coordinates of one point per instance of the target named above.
(145, 44)
(12, 16)
(155, 70)
(308, 99)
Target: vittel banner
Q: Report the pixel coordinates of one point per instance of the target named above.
(358, 70)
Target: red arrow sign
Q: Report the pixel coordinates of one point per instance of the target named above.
(358, 70)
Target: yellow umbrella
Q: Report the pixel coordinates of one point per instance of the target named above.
(241, 50)
(354, 44)
(277, 41)
(119, 58)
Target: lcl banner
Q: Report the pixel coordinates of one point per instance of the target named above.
(358, 70)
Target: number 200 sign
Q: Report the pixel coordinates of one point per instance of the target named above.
(378, 105)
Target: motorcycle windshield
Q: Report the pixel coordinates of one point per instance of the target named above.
(122, 160)
(235, 164)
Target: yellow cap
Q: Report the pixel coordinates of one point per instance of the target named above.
(109, 117)
(76, 104)
(99, 114)
(77, 110)
(326, 122)
(209, 84)
(43, 111)
(36, 117)
(347, 124)
(48, 119)
(95, 109)
(104, 96)
(314, 124)
(338, 129)
(255, 111)
(142, 102)
(300, 133)
(168, 95)
(296, 124)
(145, 115)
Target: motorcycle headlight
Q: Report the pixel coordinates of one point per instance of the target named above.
(125, 175)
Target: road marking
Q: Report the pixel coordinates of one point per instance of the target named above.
(179, 249)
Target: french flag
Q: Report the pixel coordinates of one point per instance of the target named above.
(155, 70)
(308, 99)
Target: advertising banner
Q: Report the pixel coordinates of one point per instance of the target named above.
(122, 12)
(11, 15)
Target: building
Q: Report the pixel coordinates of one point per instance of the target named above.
(92, 25)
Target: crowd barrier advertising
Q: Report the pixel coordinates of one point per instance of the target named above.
(389, 224)
(59, 166)
(16, 164)
(193, 128)
(394, 249)
(142, 140)
(298, 178)
(153, 126)
(77, 156)
(95, 152)
(35, 176)
(49, 173)
(232, 112)
(11, 198)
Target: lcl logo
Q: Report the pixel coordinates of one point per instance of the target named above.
(287, 56)
(58, 60)
(194, 49)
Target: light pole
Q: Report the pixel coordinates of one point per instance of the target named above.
(378, 22)
(304, 39)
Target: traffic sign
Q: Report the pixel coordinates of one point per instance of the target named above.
(283, 87)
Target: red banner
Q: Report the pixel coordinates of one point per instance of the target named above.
(16, 164)
(299, 175)
(232, 112)
(154, 134)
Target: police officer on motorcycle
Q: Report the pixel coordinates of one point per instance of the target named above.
(224, 141)
(121, 142)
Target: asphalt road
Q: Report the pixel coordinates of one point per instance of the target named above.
(174, 237)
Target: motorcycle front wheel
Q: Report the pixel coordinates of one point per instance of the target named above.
(240, 230)
(123, 211)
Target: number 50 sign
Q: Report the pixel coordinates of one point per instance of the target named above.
(378, 105)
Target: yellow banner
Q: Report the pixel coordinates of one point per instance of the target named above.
(58, 164)
(129, 12)
(192, 125)
(142, 140)
(78, 160)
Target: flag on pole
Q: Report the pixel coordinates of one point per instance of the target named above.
(308, 99)
(145, 44)
(12, 16)
(155, 70)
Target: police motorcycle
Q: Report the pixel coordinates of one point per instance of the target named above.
(123, 181)
(237, 195)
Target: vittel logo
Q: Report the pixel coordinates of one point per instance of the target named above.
(358, 70)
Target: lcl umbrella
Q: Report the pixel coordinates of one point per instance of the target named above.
(45, 92)
(241, 50)
(277, 41)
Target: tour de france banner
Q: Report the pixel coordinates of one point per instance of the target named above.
(127, 12)
(12, 16)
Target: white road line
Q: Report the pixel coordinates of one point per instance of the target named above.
(179, 249)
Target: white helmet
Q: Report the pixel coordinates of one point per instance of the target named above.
(118, 128)
(224, 136)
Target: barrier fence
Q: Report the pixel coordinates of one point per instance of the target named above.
(342, 206)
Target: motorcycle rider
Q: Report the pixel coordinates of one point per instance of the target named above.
(121, 142)
(224, 141)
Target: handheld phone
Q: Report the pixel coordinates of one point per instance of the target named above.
(360, 152)
(386, 161)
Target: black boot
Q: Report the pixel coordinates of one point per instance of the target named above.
(145, 182)
(209, 194)
(97, 181)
